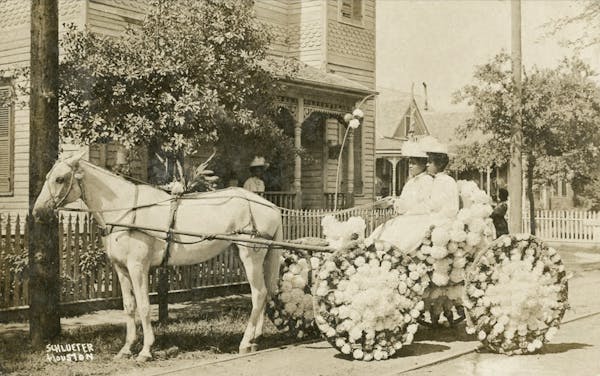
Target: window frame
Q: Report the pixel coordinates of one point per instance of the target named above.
(351, 21)
(6, 84)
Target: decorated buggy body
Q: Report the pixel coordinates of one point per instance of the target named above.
(369, 296)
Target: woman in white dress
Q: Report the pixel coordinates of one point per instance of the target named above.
(429, 201)
(413, 204)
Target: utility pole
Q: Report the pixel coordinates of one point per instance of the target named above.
(515, 172)
(44, 282)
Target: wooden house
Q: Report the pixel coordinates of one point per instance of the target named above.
(331, 41)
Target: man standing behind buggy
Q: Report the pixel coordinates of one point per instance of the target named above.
(255, 182)
(499, 213)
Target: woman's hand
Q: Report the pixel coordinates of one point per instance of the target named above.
(384, 203)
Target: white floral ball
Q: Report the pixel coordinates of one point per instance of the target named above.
(368, 304)
(516, 294)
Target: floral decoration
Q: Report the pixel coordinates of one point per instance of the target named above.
(368, 298)
(450, 247)
(516, 294)
(291, 306)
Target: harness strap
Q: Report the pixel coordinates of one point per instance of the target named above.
(252, 220)
(169, 239)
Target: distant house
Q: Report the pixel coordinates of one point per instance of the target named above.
(443, 126)
(399, 117)
(333, 44)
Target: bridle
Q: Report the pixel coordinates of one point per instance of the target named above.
(56, 199)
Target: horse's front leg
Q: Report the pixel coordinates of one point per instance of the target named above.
(138, 271)
(129, 308)
(253, 263)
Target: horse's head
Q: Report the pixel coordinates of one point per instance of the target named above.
(61, 186)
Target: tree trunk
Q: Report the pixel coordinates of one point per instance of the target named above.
(530, 168)
(44, 281)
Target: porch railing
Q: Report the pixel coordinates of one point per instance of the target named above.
(344, 200)
(282, 199)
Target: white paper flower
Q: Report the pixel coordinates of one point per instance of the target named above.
(354, 123)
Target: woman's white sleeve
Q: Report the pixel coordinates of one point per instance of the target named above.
(444, 197)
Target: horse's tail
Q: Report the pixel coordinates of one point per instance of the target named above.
(272, 262)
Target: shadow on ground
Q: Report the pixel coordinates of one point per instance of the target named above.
(557, 348)
(443, 334)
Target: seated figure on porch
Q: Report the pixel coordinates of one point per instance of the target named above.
(255, 182)
(428, 200)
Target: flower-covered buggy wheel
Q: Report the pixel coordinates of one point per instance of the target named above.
(516, 294)
(367, 300)
(291, 306)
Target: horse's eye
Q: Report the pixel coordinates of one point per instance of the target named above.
(60, 180)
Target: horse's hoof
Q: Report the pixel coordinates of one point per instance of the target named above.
(245, 350)
(253, 347)
(142, 358)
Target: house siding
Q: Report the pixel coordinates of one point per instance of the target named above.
(15, 52)
(350, 53)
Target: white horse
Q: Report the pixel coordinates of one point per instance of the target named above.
(111, 198)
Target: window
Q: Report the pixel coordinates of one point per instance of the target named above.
(6, 143)
(351, 10)
(563, 188)
(409, 126)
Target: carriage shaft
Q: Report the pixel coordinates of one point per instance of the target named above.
(232, 238)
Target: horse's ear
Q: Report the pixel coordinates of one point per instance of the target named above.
(73, 160)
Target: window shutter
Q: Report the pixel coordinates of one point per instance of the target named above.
(347, 8)
(5, 144)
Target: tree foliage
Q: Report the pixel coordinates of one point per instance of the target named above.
(191, 74)
(560, 116)
(588, 18)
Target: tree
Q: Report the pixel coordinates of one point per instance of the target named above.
(561, 118)
(192, 74)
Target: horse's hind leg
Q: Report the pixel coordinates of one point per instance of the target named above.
(129, 308)
(253, 263)
(139, 277)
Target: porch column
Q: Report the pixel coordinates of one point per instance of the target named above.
(488, 180)
(394, 162)
(297, 160)
(350, 181)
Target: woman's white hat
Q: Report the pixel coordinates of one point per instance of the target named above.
(259, 162)
(430, 144)
(413, 149)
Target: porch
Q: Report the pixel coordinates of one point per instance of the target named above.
(312, 109)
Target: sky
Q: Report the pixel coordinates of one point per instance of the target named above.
(441, 41)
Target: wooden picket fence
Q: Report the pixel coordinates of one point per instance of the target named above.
(86, 273)
(567, 226)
